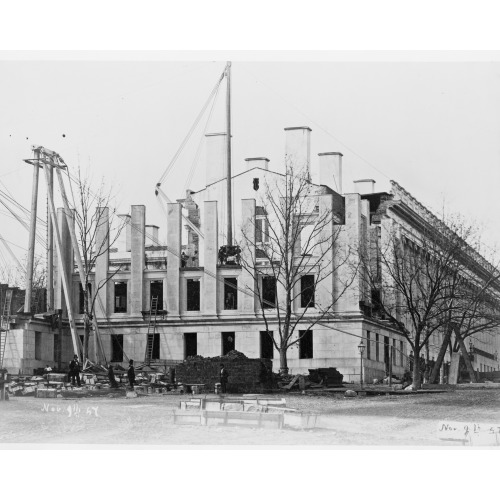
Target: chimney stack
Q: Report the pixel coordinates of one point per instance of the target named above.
(260, 162)
(298, 149)
(329, 171)
(151, 235)
(126, 231)
(215, 157)
(364, 186)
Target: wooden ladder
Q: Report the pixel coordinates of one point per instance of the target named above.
(4, 326)
(153, 310)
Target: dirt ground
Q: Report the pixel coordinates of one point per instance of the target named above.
(405, 420)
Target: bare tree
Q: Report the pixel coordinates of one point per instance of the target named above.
(92, 219)
(294, 250)
(473, 308)
(428, 278)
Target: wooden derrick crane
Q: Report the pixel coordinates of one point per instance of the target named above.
(51, 161)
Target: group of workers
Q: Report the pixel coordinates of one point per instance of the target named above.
(75, 369)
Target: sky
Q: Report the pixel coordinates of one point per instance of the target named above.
(431, 125)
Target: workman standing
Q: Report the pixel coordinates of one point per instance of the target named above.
(131, 373)
(224, 375)
(74, 371)
(111, 377)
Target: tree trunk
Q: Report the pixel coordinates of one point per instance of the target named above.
(416, 371)
(283, 361)
(440, 358)
(86, 336)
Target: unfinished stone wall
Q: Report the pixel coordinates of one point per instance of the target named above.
(245, 375)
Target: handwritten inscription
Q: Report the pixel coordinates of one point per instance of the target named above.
(471, 432)
(71, 410)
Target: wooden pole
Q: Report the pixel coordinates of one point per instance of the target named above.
(50, 248)
(31, 243)
(391, 348)
(65, 271)
(465, 354)
(229, 209)
(79, 262)
(60, 338)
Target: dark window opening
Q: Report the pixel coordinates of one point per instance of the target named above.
(377, 348)
(227, 342)
(266, 345)
(117, 348)
(368, 345)
(82, 297)
(156, 347)
(156, 290)
(268, 292)
(38, 346)
(376, 302)
(307, 286)
(120, 296)
(305, 344)
(193, 295)
(401, 353)
(230, 293)
(190, 344)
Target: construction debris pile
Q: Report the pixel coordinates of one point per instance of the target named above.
(329, 377)
(37, 386)
(317, 379)
(94, 382)
(245, 374)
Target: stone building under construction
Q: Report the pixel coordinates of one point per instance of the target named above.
(207, 306)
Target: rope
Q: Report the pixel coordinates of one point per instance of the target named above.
(193, 127)
(10, 198)
(198, 150)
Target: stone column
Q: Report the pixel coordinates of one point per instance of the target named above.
(349, 241)
(365, 245)
(211, 248)
(174, 240)
(102, 262)
(67, 256)
(247, 279)
(138, 259)
(326, 250)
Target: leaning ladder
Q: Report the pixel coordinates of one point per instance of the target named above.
(4, 327)
(153, 310)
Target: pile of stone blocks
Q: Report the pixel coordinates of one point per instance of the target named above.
(245, 374)
(29, 386)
